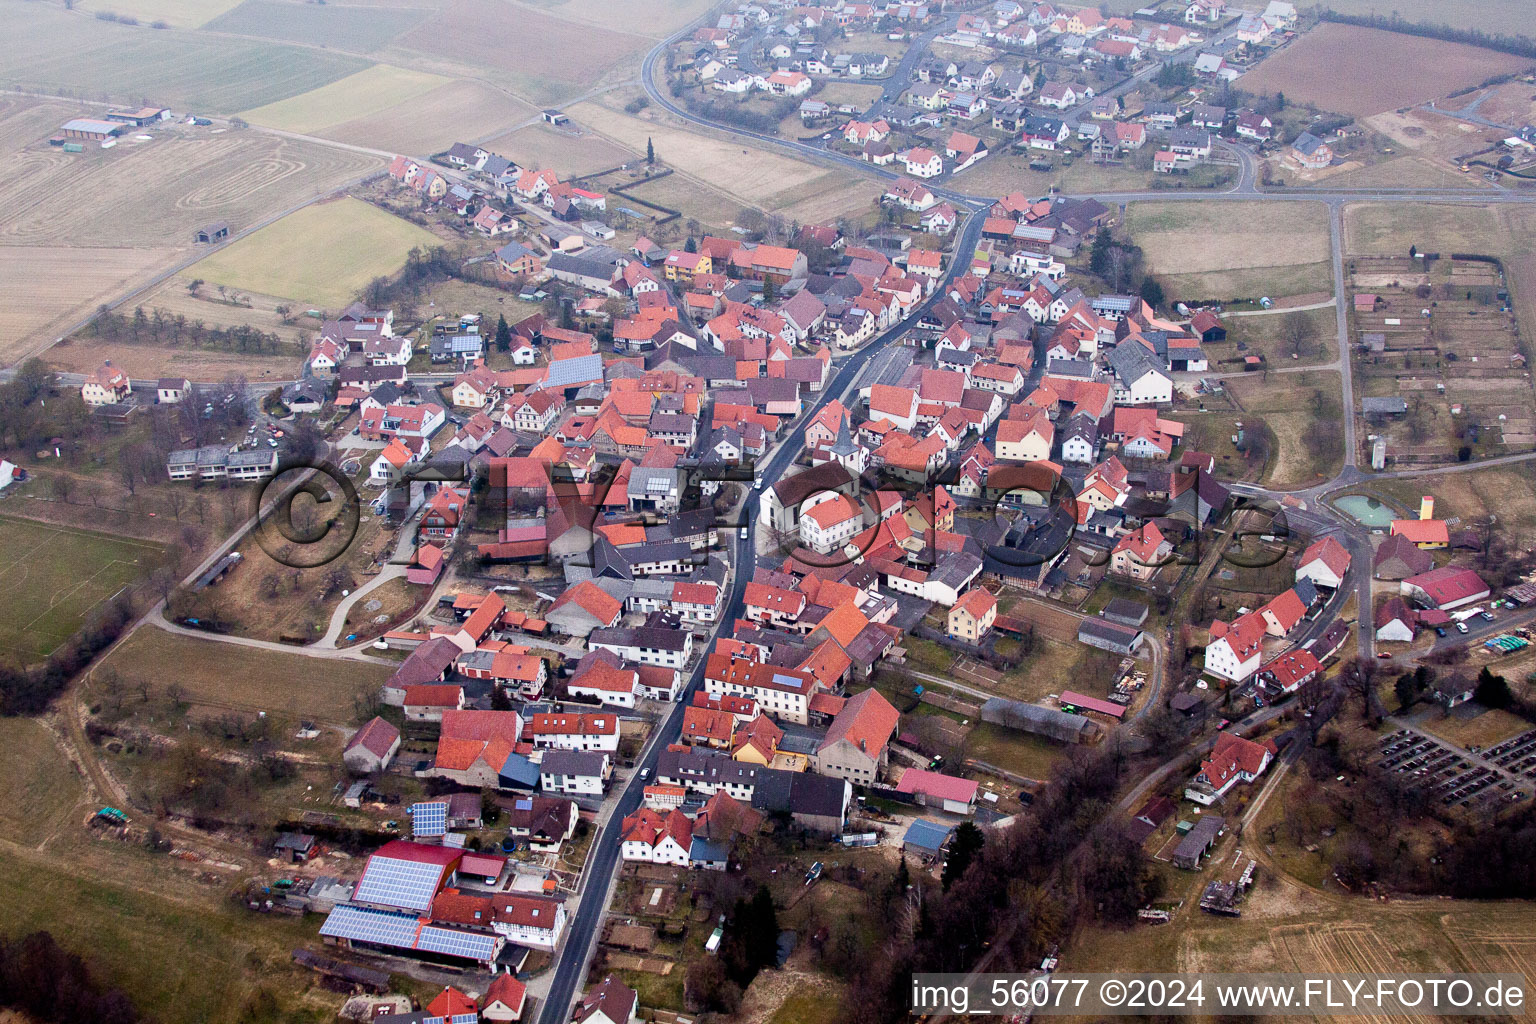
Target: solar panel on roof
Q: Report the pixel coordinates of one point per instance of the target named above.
(523, 804)
(429, 819)
(362, 924)
(398, 883)
(452, 942)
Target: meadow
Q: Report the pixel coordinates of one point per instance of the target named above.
(232, 677)
(322, 255)
(433, 121)
(1233, 249)
(54, 576)
(364, 94)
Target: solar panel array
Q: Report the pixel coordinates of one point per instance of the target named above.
(404, 931)
(362, 924)
(429, 819)
(398, 883)
(452, 942)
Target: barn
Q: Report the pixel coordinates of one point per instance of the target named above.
(86, 128)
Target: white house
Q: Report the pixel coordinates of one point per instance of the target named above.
(1236, 647)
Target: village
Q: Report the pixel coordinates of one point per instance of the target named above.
(638, 602)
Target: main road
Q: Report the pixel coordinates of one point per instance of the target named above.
(603, 860)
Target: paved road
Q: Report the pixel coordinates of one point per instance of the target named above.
(603, 860)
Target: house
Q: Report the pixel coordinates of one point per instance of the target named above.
(651, 837)
(550, 731)
(1309, 152)
(1426, 534)
(922, 162)
(1232, 760)
(504, 999)
(910, 194)
(1139, 554)
(1398, 558)
(545, 822)
(1253, 125)
(583, 608)
(575, 772)
(515, 259)
(371, 748)
(612, 1002)
(971, 617)
(108, 385)
(963, 150)
(1395, 621)
(1236, 647)
(1325, 562)
(1058, 95)
(856, 743)
(1289, 672)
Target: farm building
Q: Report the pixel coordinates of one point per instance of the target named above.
(1109, 636)
(94, 131)
(215, 232)
(1080, 703)
(1043, 721)
(932, 789)
(1445, 588)
(1197, 842)
(139, 118)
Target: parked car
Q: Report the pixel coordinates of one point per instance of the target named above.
(1461, 627)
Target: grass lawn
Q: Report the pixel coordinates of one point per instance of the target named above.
(1294, 406)
(1483, 730)
(1019, 752)
(806, 1008)
(1390, 228)
(1271, 336)
(53, 577)
(322, 255)
(1509, 491)
(367, 92)
(1226, 250)
(235, 677)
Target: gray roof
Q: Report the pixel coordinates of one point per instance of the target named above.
(1194, 843)
(1132, 361)
(1306, 143)
(572, 762)
(799, 793)
(577, 370)
(1383, 406)
(1036, 719)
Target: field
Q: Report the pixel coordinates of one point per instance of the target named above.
(1360, 71)
(1390, 228)
(561, 59)
(1481, 730)
(1230, 250)
(61, 286)
(432, 122)
(1507, 17)
(234, 677)
(41, 786)
(1292, 405)
(571, 155)
(176, 13)
(322, 255)
(1002, 173)
(655, 18)
(54, 50)
(755, 176)
(367, 93)
(54, 577)
(355, 29)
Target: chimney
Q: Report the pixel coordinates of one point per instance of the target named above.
(1427, 507)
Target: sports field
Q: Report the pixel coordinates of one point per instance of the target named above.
(355, 29)
(52, 577)
(364, 94)
(321, 255)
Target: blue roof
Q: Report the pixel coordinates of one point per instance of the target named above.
(927, 835)
(520, 771)
(701, 850)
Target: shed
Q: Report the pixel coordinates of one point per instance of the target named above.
(215, 232)
(295, 847)
(1124, 612)
(926, 838)
(1043, 721)
(1109, 636)
(1198, 842)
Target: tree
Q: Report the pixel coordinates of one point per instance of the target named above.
(769, 289)
(963, 849)
(503, 334)
(1296, 330)
(1359, 679)
(1151, 292)
(1492, 691)
(1407, 690)
(691, 245)
(650, 152)
(1279, 101)
(1098, 253)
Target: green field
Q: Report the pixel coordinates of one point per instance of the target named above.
(322, 255)
(364, 94)
(73, 54)
(240, 678)
(41, 787)
(177, 13)
(54, 576)
(356, 29)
